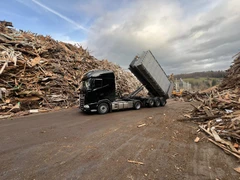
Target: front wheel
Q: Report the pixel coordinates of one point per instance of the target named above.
(103, 108)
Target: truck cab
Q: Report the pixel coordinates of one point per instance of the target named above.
(97, 86)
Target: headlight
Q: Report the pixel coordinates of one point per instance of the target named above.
(86, 106)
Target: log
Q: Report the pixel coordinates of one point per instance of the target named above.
(224, 148)
(204, 118)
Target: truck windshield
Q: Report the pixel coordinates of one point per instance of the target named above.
(86, 84)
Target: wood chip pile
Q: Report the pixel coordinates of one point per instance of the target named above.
(38, 72)
(218, 114)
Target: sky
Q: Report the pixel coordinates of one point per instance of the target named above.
(184, 35)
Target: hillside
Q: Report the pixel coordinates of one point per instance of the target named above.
(202, 80)
(202, 83)
(39, 72)
(209, 74)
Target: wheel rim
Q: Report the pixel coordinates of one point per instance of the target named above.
(157, 103)
(137, 105)
(163, 102)
(103, 108)
(151, 102)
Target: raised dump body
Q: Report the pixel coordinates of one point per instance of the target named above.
(149, 72)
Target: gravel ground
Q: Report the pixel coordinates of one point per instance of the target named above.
(71, 145)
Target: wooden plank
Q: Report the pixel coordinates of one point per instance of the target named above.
(204, 118)
(207, 111)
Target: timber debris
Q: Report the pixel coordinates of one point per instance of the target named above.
(135, 162)
(38, 73)
(218, 111)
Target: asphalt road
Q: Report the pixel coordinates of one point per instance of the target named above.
(70, 145)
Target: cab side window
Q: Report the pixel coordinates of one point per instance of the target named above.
(105, 82)
(97, 83)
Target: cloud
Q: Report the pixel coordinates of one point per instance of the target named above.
(60, 15)
(182, 39)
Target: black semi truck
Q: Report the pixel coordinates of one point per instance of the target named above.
(98, 87)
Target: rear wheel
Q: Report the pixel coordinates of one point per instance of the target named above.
(163, 101)
(157, 102)
(137, 105)
(103, 108)
(150, 102)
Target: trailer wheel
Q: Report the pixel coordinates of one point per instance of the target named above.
(163, 101)
(137, 105)
(157, 102)
(150, 102)
(103, 108)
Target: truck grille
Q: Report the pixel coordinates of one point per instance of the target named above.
(82, 98)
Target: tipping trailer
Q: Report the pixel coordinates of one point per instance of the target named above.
(98, 89)
(149, 72)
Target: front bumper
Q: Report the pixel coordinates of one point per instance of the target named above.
(89, 107)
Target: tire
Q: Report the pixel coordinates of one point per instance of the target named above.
(157, 102)
(137, 105)
(163, 101)
(103, 108)
(150, 102)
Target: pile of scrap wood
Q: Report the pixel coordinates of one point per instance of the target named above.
(219, 112)
(38, 72)
(188, 96)
(233, 75)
